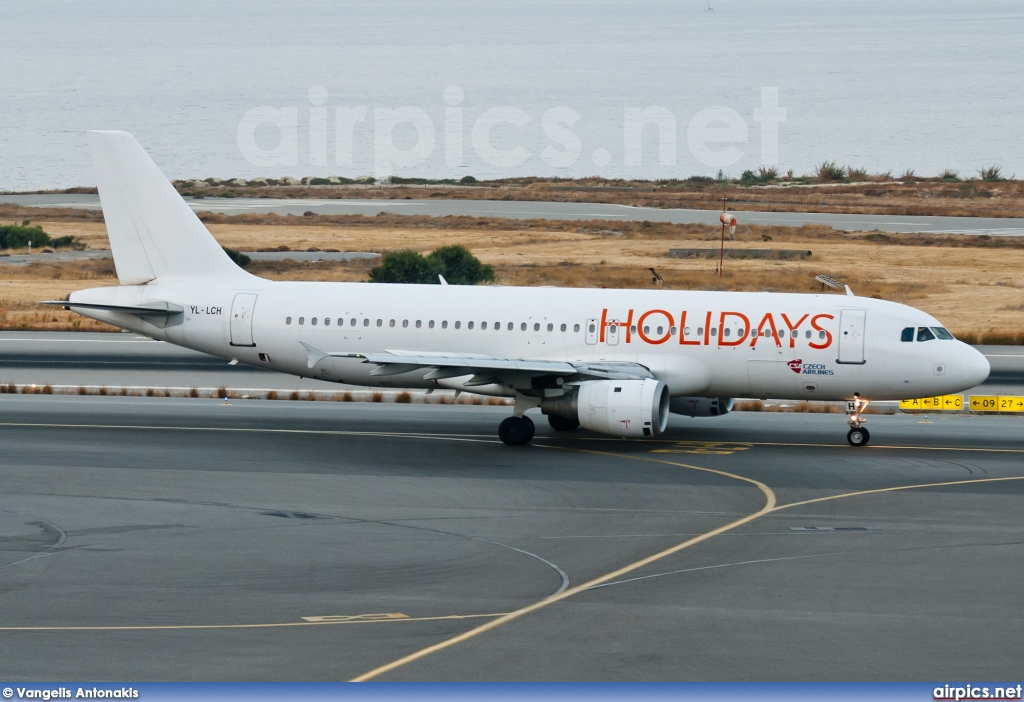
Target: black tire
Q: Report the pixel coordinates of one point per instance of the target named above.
(516, 431)
(858, 437)
(561, 423)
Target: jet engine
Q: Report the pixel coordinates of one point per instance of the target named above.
(617, 407)
(701, 406)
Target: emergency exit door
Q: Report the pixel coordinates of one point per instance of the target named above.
(241, 319)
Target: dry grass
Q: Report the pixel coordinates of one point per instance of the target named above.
(973, 284)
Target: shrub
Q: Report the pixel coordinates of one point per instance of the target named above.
(767, 173)
(950, 176)
(17, 236)
(377, 397)
(857, 174)
(828, 171)
(459, 266)
(467, 180)
(406, 266)
(992, 174)
(240, 259)
(403, 397)
(272, 395)
(346, 396)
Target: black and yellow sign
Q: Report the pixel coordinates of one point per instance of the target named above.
(953, 403)
(997, 403)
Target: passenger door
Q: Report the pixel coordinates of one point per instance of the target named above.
(241, 319)
(852, 324)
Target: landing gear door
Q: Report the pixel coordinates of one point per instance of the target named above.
(241, 319)
(591, 331)
(851, 336)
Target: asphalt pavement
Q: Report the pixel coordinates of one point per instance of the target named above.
(177, 539)
(561, 210)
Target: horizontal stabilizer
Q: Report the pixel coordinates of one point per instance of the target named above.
(151, 309)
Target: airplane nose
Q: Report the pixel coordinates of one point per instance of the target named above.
(972, 367)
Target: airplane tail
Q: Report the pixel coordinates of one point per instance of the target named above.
(153, 232)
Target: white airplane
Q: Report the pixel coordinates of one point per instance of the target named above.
(613, 361)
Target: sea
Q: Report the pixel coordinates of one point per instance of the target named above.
(650, 89)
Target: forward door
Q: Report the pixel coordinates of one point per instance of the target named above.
(852, 324)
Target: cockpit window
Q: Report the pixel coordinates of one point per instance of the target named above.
(942, 333)
(924, 334)
(908, 334)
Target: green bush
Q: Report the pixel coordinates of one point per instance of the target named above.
(240, 259)
(467, 180)
(406, 266)
(17, 236)
(456, 263)
(460, 267)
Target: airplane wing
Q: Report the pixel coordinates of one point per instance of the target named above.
(485, 369)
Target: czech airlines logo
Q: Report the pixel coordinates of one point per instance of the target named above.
(799, 367)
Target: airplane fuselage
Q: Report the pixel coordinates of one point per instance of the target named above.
(796, 346)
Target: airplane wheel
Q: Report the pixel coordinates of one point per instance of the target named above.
(858, 437)
(561, 423)
(516, 431)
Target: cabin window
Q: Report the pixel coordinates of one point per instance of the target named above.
(430, 324)
(563, 327)
(483, 325)
(907, 334)
(405, 324)
(458, 325)
(700, 331)
(727, 332)
(419, 323)
(497, 326)
(391, 323)
(753, 333)
(511, 326)
(327, 321)
(672, 331)
(924, 334)
(302, 320)
(366, 322)
(469, 325)
(444, 324)
(591, 329)
(714, 331)
(287, 320)
(523, 326)
(661, 330)
(782, 333)
(632, 329)
(821, 335)
(647, 330)
(575, 327)
(942, 333)
(380, 322)
(551, 327)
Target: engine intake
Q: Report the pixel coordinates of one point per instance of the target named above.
(701, 406)
(616, 407)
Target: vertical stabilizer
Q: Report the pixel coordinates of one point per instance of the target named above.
(153, 233)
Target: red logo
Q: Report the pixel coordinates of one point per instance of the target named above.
(796, 366)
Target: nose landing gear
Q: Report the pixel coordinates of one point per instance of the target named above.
(858, 434)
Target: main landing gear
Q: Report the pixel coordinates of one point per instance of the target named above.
(516, 431)
(858, 434)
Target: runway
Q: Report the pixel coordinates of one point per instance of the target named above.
(178, 539)
(992, 226)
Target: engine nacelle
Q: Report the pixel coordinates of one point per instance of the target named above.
(701, 406)
(616, 407)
